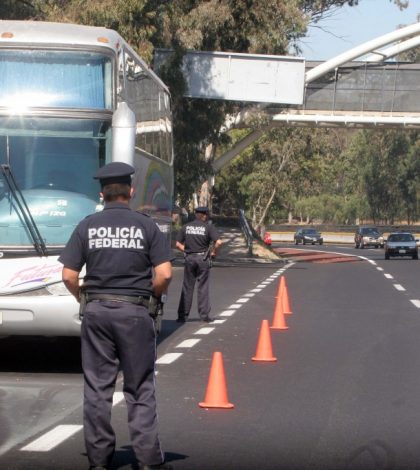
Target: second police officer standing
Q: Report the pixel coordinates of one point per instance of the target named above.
(127, 262)
(195, 239)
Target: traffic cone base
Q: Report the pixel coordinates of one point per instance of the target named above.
(258, 359)
(203, 404)
(264, 349)
(216, 393)
(285, 327)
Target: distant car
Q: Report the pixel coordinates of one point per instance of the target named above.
(401, 244)
(308, 235)
(267, 238)
(368, 236)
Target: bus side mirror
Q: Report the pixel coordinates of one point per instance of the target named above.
(123, 134)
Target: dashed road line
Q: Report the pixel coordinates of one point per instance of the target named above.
(379, 269)
(399, 287)
(168, 358)
(415, 302)
(52, 438)
(188, 343)
(389, 276)
(60, 433)
(204, 331)
(117, 398)
(227, 313)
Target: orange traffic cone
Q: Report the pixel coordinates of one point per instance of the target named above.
(216, 393)
(285, 299)
(264, 349)
(279, 322)
(280, 289)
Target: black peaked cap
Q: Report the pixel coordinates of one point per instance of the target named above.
(202, 209)
(115, 172)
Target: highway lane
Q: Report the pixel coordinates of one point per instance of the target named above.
(343, 393)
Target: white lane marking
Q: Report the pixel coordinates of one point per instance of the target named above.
(250, 294)
(168, 358)
(372, 262)
(415, 302)
(399, 287)
(380, 269)
(388, 276)
(117, 398)
(234, 306)
(227, 313)
(242, 301)
(204, 331)
(62, 432)
(188, 343)
(52, 438)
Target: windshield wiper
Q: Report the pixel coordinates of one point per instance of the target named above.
(24, 210)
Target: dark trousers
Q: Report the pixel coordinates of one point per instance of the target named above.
(195, 269)
(119, 334)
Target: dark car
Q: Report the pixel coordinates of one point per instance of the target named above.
(401, 244)
(308, 235)
(368, 236)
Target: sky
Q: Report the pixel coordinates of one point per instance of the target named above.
(352, 26)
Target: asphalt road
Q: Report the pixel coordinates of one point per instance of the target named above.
(344, 392)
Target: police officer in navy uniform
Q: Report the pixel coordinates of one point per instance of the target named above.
(127, 262)
(194, 239)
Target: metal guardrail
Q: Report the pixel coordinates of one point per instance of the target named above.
(246, 230)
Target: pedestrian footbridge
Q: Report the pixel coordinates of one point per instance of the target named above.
(363, 87)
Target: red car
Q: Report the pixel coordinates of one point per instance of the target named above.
(267, 238)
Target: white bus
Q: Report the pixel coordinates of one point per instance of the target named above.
(72, 98)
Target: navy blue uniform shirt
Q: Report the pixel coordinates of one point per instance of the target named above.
(197, 235)
(119, 247)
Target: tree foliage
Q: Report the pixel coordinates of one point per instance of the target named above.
(246, 26)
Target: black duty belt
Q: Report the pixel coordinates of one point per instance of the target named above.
(132, 299)
(197, 253)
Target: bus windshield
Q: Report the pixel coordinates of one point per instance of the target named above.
(52, 161)
(64, 79)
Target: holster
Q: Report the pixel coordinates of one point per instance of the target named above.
(82, 303)
(208, 257)
(156, 312)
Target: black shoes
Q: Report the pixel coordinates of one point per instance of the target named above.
(161, 466)
(207, 320)
(204, 320)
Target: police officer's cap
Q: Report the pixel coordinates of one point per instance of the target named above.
(202, 209)
(115, 172)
